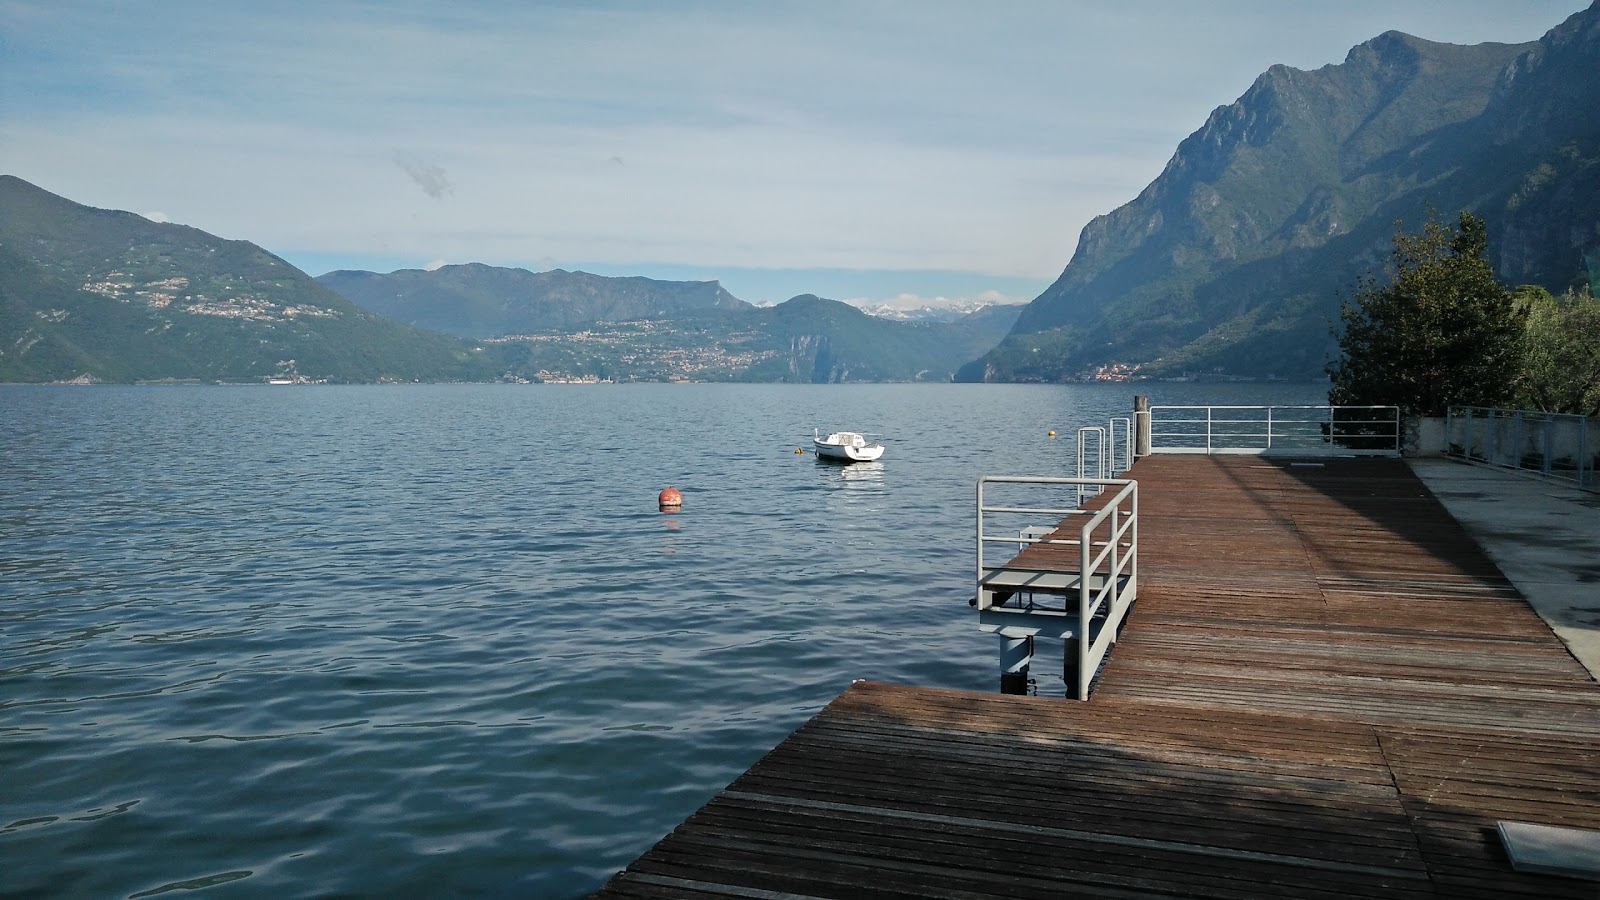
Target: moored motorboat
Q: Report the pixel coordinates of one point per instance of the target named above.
(845, 446)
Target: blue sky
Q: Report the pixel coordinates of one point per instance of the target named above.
(862, 151)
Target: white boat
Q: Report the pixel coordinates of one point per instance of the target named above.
(845, 446)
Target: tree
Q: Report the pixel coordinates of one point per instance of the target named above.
(1441, 332)
(1561, 352)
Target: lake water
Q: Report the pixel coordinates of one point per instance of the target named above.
(433, 640)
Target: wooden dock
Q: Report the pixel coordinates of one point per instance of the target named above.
(1325, 689)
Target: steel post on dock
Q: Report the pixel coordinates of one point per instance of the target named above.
(1016, 654)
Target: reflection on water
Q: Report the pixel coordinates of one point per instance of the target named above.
(852, 472)
(399, 640)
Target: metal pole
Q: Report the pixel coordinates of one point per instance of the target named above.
(1547, 440)
(979, 583)
(1015, 655)
(1086, 537)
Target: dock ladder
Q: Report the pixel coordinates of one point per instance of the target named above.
(1073, 581)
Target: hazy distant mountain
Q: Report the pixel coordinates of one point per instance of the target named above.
(480, 301)
(640, 328)
(825, 341)
(1237, 255)
(104, 295)
(116, 297)
(953, 312)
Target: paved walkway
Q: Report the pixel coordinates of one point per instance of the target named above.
(1544, 536)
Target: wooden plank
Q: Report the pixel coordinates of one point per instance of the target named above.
(1325, 689)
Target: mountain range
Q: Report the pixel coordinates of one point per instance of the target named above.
(104, 295)
(479, 301)
(1237, 256)
(1235, 259)
(668, 330)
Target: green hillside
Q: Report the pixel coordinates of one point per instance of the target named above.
(117, 297)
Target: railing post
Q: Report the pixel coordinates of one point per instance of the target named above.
(1585, 461)
(1519, 439)
(1085, 536)
(978, 599)
(1547, 441)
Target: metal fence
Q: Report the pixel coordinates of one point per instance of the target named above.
(1277, 430)
(1555, 445)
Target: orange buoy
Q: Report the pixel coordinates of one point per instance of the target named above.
(670, 498)
(1052, 434)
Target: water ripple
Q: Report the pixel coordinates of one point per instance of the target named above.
(398, 640)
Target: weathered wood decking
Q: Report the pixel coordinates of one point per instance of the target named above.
(1325, 690)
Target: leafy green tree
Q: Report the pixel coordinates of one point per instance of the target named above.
(1441, 332)
(1561, 352)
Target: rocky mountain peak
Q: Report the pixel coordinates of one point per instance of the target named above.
(1239, 249)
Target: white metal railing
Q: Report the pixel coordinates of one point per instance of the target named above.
(1276, 430)
(1104, 580)
(1100, 455)
(1095, 465)
(1120, 462)
(1554, 445)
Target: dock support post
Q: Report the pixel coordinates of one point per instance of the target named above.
(1015, 655)
(1141, 427)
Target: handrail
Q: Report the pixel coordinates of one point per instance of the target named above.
(1113, 557)
(1093, 650)
(1559, 446)
(1102, 464)
(1127, 444)
(1062, 512)
(1277, 430)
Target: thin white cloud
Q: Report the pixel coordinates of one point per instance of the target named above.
(950, 136)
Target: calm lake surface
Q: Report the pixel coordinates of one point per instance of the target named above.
(435, 640)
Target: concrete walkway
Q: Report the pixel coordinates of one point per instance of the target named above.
(1544, 535)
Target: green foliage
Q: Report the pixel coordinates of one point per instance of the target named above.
(1561, 352)
(1441, 332)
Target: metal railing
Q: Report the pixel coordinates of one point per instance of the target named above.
(1103, 452)
(1104, 577)
(1554, 445)
(1277, 430)
(1094, 465)
(1120, 462)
